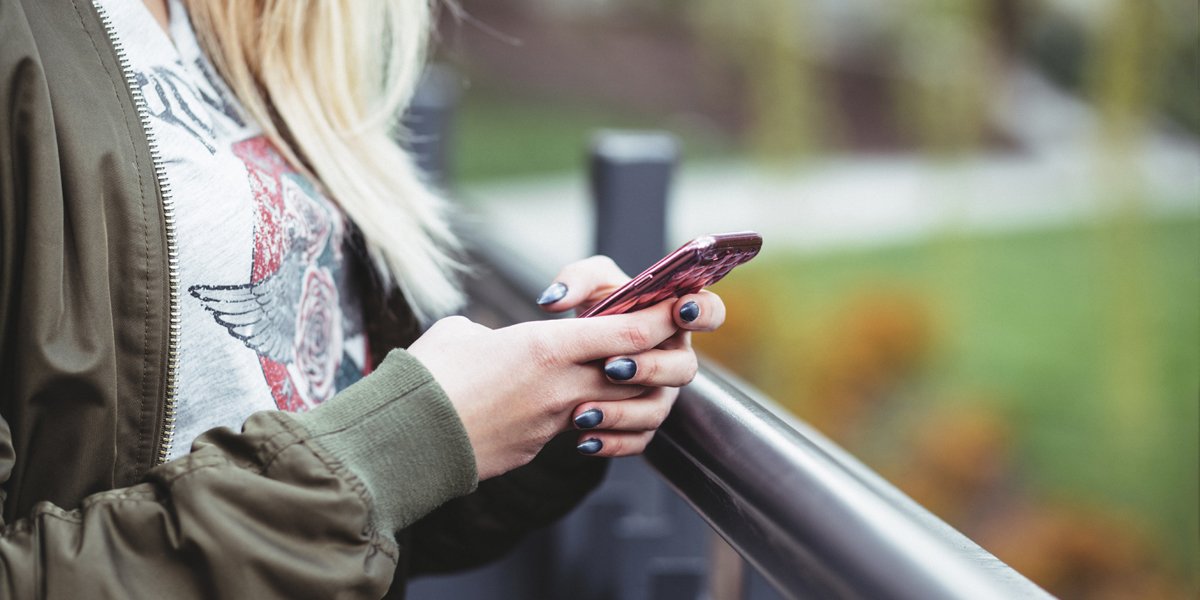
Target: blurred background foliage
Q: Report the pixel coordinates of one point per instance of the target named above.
(1037, 386)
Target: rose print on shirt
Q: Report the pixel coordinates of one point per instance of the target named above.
(290, 311)
(318, 340)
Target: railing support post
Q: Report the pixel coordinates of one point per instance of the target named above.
(663, 555)
(631, 177)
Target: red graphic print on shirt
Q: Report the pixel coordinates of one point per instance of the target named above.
(290, 312)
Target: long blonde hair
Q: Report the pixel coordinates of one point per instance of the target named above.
(326, 80)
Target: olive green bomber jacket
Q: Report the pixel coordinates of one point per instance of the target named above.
(292, 506)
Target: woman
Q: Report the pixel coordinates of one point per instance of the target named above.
(193, 242)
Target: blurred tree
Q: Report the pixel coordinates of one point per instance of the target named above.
(767, 40)
(949, 68)
(1064, 37)
(1130, 48)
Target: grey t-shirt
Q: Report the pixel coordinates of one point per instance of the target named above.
(270, 318)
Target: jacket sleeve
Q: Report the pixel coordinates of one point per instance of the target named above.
(473, 530)
(292, 507)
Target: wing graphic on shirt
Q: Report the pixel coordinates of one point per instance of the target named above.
(261, 314)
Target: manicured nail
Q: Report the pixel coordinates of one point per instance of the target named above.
(622, 369)
(689, 311)
(591, 446)
(589, 419)
(552, 294)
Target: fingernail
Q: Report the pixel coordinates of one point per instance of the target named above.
(589, 419)
(552, 294)
(591, 446)
(688, 312)
(622, 369)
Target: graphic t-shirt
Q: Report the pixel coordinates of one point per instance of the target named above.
(270, 318)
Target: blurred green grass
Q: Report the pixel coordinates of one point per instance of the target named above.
(1017, 321)
(502, 134)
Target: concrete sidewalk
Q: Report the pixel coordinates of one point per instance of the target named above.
(833, 203)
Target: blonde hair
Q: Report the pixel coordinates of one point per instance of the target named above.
(326, 80)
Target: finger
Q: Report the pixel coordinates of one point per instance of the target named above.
(592, 385)
(614, 443)
(673, 368)
(585, 281)
(584, 340)
(682, 340)
(644, 413)
(703, 311)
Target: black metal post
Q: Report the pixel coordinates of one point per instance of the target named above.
(631, 178)
(663, 554)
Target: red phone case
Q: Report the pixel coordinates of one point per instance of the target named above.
(694, 266)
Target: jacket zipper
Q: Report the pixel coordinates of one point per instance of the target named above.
(168, 206)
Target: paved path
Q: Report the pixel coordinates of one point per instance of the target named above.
(853, 201)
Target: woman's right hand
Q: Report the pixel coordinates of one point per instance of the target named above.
(515, 388)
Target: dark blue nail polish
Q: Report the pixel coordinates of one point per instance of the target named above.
(552, 294)
(589, 419)
(591, 446)
(689, 311)
(622, 369)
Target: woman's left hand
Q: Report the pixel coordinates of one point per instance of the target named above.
(625, 427)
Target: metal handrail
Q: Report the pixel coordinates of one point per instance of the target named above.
(815, 521)
(811, 518)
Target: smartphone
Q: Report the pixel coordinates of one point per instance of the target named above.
(694, 266)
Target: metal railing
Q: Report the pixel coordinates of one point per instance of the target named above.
(810, 518)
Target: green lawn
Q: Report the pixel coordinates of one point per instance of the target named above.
(500, 134)
(1027, 323)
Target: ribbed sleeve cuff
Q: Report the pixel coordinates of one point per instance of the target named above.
(397, 431)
